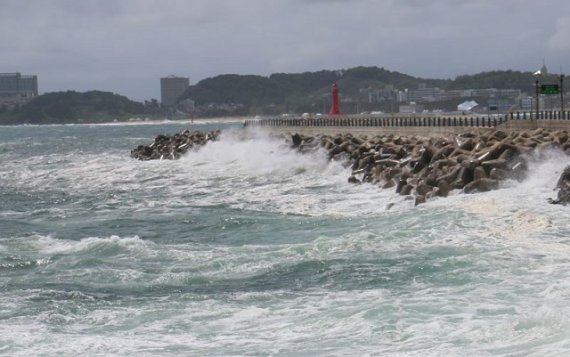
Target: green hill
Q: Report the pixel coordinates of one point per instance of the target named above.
(76, 107)
(523, 81)
(307, 92)
(295, 92)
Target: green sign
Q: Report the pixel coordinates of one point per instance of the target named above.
(549, 89)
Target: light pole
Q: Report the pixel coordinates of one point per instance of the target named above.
(537, 90)
(562, 95)
(537, 75)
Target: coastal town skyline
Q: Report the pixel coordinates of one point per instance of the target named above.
(125, 47)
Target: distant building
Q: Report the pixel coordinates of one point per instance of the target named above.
(424, 94)
(16, 84)
(17, 89)
(527, 103)
(171, 88)
(411, 108)
(380, 95)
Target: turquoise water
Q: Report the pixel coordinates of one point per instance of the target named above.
(248, 248)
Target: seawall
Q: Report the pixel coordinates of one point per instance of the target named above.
(407, 126)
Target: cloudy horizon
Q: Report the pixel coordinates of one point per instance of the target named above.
(126, 46)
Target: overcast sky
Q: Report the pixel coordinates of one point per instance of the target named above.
(125, 46)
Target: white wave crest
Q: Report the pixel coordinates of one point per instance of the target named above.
(47, 244)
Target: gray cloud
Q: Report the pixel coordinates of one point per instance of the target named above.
(126, 46)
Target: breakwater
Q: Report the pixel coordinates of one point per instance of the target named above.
(416, 166)
(414, 124)
(173, 146)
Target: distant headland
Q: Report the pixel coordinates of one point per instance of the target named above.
(363, 90)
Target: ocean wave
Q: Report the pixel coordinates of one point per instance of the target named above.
(92, 245)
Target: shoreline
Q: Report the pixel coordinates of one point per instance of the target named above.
(221, 120)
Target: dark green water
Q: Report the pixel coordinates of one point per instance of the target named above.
(247, 248)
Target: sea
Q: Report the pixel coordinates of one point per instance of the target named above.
(247, 247)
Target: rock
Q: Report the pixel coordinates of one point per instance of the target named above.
(518, 169)
(173, 146)
(443, 162)
(422, 189)
(566, 147)
(419, 200)
(388, 162)
(537, 132)
(481, 185)
(466, 174)
(353, 179)
(406, 190)
(562, 137)
(392, 172)
(499, 134)
(467, 145)
(563, 186)
(451, 176)
(389, 184)
(508, 154)
(442, 153)
(479, 173)
(426, 155)
(443, 188)
(400, 185)
(498, 174)
(297, 140)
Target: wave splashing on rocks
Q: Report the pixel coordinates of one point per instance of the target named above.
(428, 167)
(415, 166)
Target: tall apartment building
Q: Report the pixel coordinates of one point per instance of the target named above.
(16, 84)
(171, 88)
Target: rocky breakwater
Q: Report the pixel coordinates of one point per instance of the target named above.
(173, 146)
(429, 167)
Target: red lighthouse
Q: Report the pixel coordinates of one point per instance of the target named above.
(335, 105)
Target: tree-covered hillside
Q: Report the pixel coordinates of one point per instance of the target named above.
(285, 92)
(76, 107)
(495, 79)
(307, 92)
